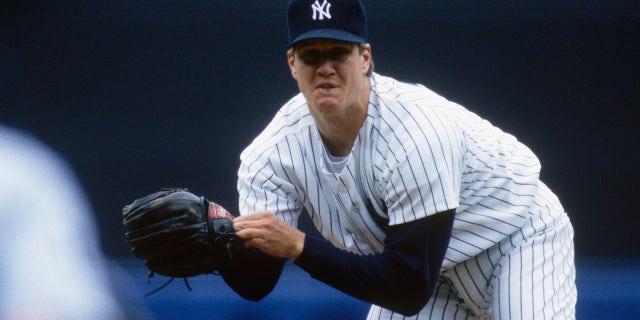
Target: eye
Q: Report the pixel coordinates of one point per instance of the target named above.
(339, 54)
(310, 59)
(309, 56)
(314, 57)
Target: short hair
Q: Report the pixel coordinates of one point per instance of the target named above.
(361, 47)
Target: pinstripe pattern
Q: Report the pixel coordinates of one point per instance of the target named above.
(418, 154)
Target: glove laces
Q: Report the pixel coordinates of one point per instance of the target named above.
(151, 274)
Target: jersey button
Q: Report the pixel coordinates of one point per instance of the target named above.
(343, 188)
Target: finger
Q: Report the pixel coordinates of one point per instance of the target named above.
(258, 243)
(250, 233)
(255, 240)
(246, 225)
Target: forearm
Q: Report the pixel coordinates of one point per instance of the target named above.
(401, 278)
(252, 274)
(379, 279)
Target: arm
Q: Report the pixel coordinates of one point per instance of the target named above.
(252, 274)
(401, 278)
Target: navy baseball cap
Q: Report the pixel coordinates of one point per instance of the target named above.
(344, 20)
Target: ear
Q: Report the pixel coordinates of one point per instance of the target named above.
(291, 61)
(366, 56)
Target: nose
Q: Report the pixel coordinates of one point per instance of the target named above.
(326, 68)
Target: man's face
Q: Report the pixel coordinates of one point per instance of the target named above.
(331, 75)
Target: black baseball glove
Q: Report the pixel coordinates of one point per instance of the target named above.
(179, 234)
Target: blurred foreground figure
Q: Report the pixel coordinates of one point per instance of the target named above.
(51, 266)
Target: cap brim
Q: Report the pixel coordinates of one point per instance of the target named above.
(327, 34)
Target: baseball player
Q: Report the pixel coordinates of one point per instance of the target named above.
(425, 209)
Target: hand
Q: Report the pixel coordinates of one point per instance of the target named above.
(265, 231)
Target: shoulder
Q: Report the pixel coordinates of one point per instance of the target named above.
(33, 174)
(291, 120)
(412, 112)
(388, 89)
(401, 102)
(25, 158)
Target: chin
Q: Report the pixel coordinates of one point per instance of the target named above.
(327, 105)
(327, 101)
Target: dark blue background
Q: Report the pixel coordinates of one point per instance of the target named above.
(140, 95)
(606, 290)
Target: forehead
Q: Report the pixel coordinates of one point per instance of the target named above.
(322, 44)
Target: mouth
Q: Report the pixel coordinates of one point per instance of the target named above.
(325, 85)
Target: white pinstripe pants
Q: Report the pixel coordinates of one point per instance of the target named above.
(533, 279)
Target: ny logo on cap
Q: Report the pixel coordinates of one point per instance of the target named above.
(321, 11)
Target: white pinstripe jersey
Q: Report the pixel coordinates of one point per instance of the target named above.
(416, 154)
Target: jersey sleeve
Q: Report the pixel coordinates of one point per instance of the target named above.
(423, 176)
(260, 188)
(253, 274)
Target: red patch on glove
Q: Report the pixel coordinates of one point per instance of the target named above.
(218, 212)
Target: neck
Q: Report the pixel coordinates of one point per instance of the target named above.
(338, 145)
(339, 132)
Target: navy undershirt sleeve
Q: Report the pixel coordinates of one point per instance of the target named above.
(252, 274)
(401, 278)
